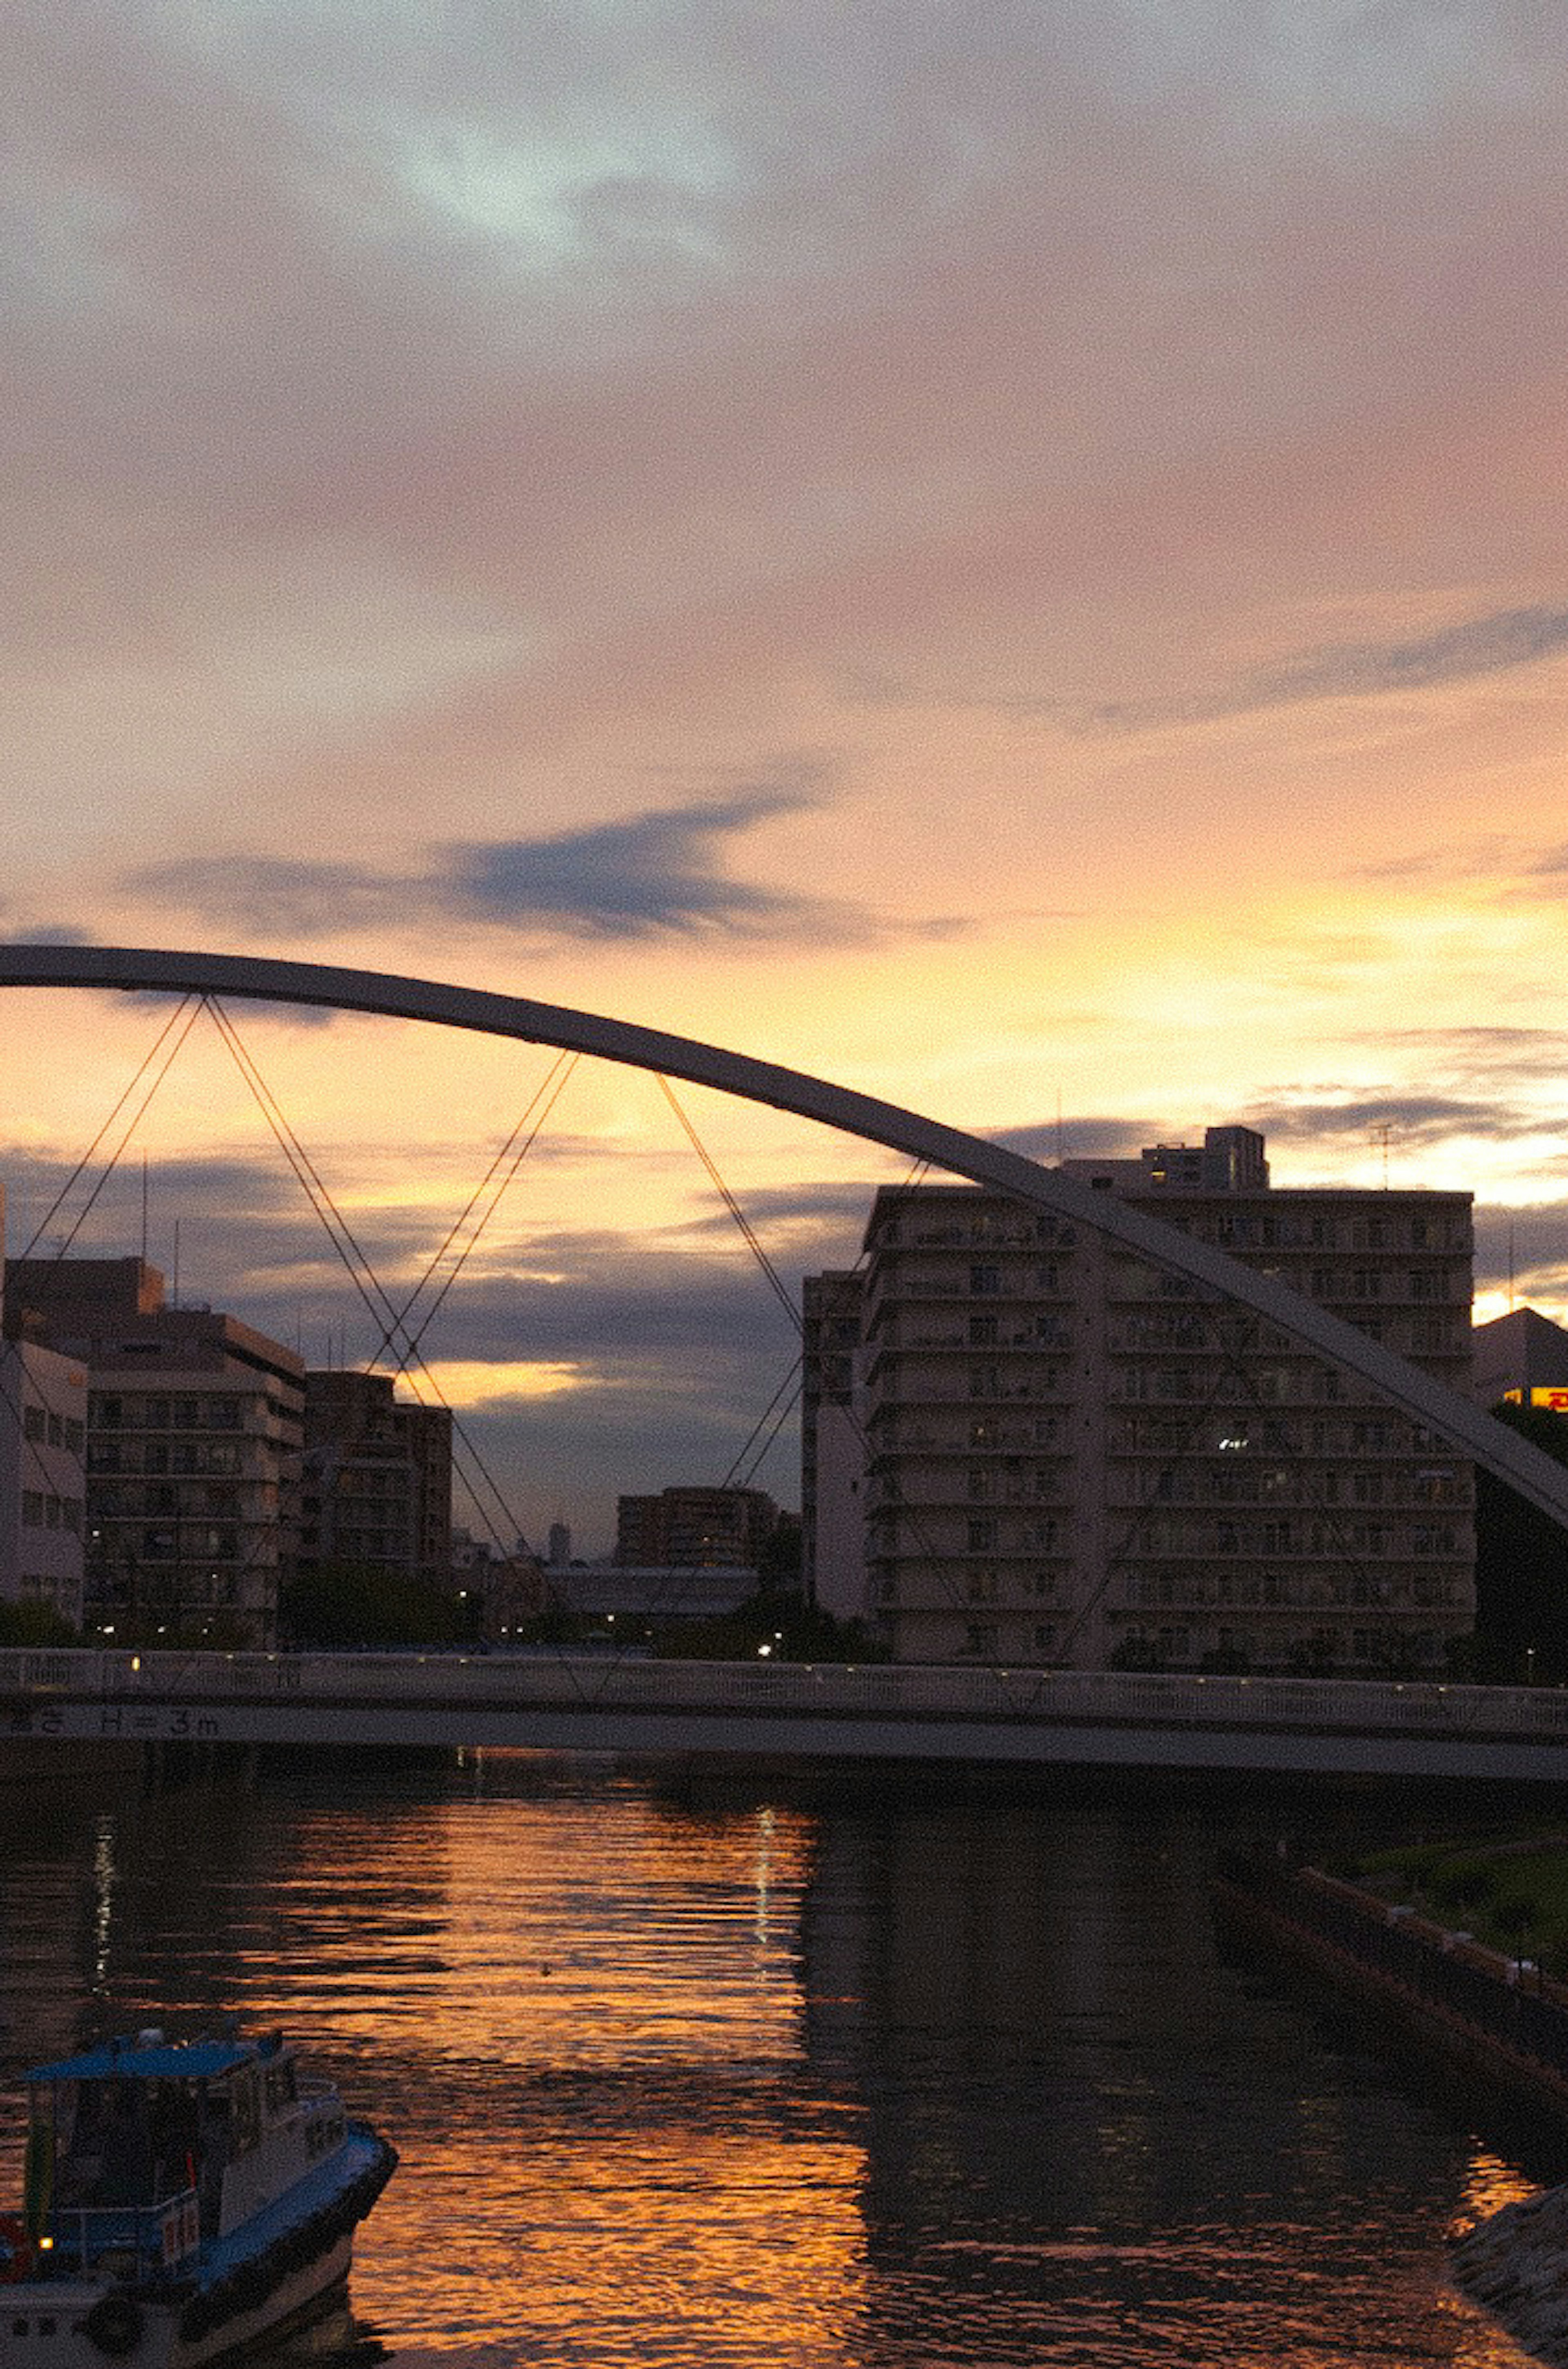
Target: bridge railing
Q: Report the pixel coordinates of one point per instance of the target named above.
(833, 1690)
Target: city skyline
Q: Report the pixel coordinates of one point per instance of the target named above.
(1015, 566)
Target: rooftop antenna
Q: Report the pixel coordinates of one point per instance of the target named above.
(177, 1262)
(1059, 1143)
(1382, 1135)
(1510, 1266)
(143, 1209)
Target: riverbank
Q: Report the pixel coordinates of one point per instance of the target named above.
(1515, 2266)
(1490, 2018)
(1490, 2015)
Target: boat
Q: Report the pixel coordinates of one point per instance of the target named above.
(183, 2201)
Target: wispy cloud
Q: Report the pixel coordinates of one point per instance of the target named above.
(1480, 646)
(1080, 1138)
(1411, 1119)
(1528, 1243)
(658, 874)
(1481, 859)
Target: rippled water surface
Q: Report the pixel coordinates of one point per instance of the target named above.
(717, 2080)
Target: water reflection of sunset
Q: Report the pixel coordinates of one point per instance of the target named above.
(492, 1961)
(1491, 2184)
(698, 2080)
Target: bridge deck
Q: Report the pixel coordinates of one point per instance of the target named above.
(802, 1710)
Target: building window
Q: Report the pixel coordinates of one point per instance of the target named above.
(32, 1423)
(32, 1508)
(985, 1280)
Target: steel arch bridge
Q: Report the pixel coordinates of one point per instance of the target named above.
(1536, 1476)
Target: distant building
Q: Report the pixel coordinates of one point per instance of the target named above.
(832, 1465)
(44, 1419)
(560, 1548)
(194, 1433)
(683, 1528)
(504, 1590)
(645, 1596)
(1522, 1356)
(1074, 1456)
(376, 1484)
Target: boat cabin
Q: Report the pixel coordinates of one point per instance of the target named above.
(134, 2147)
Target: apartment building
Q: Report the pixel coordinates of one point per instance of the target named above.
(194, 1432)
(1076, 1456)
(687, 1528)
(376, 1482)
(832, 1461)
(1522, 1356)
(44, 1419)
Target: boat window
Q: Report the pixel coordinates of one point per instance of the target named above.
(278, 2083)
(175, 2134)
(105, 2160)
(245, 2094)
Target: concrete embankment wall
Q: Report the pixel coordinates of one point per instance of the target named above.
(1478, 2009)
(1485, 2016)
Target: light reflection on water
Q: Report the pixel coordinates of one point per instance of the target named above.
(869, 2087)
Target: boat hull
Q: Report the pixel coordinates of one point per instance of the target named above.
(45, 2324)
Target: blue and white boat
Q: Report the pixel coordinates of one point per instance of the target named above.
(183, 2201)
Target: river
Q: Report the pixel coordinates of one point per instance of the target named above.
(728, 2078)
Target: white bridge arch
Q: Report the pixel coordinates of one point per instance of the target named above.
(1537, 1477)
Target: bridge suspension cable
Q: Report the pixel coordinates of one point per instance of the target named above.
(547, 1095)
(362, 1273)
(186, 1011)
(749, 1234)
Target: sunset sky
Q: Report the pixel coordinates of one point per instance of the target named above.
(1015, 557)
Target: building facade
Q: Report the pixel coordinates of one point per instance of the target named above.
(376, 1483)
(194, 1435)
(832, 1459)
(43, 1422)
(1074, 1456)
(1522, 1357)
(687, 1528)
